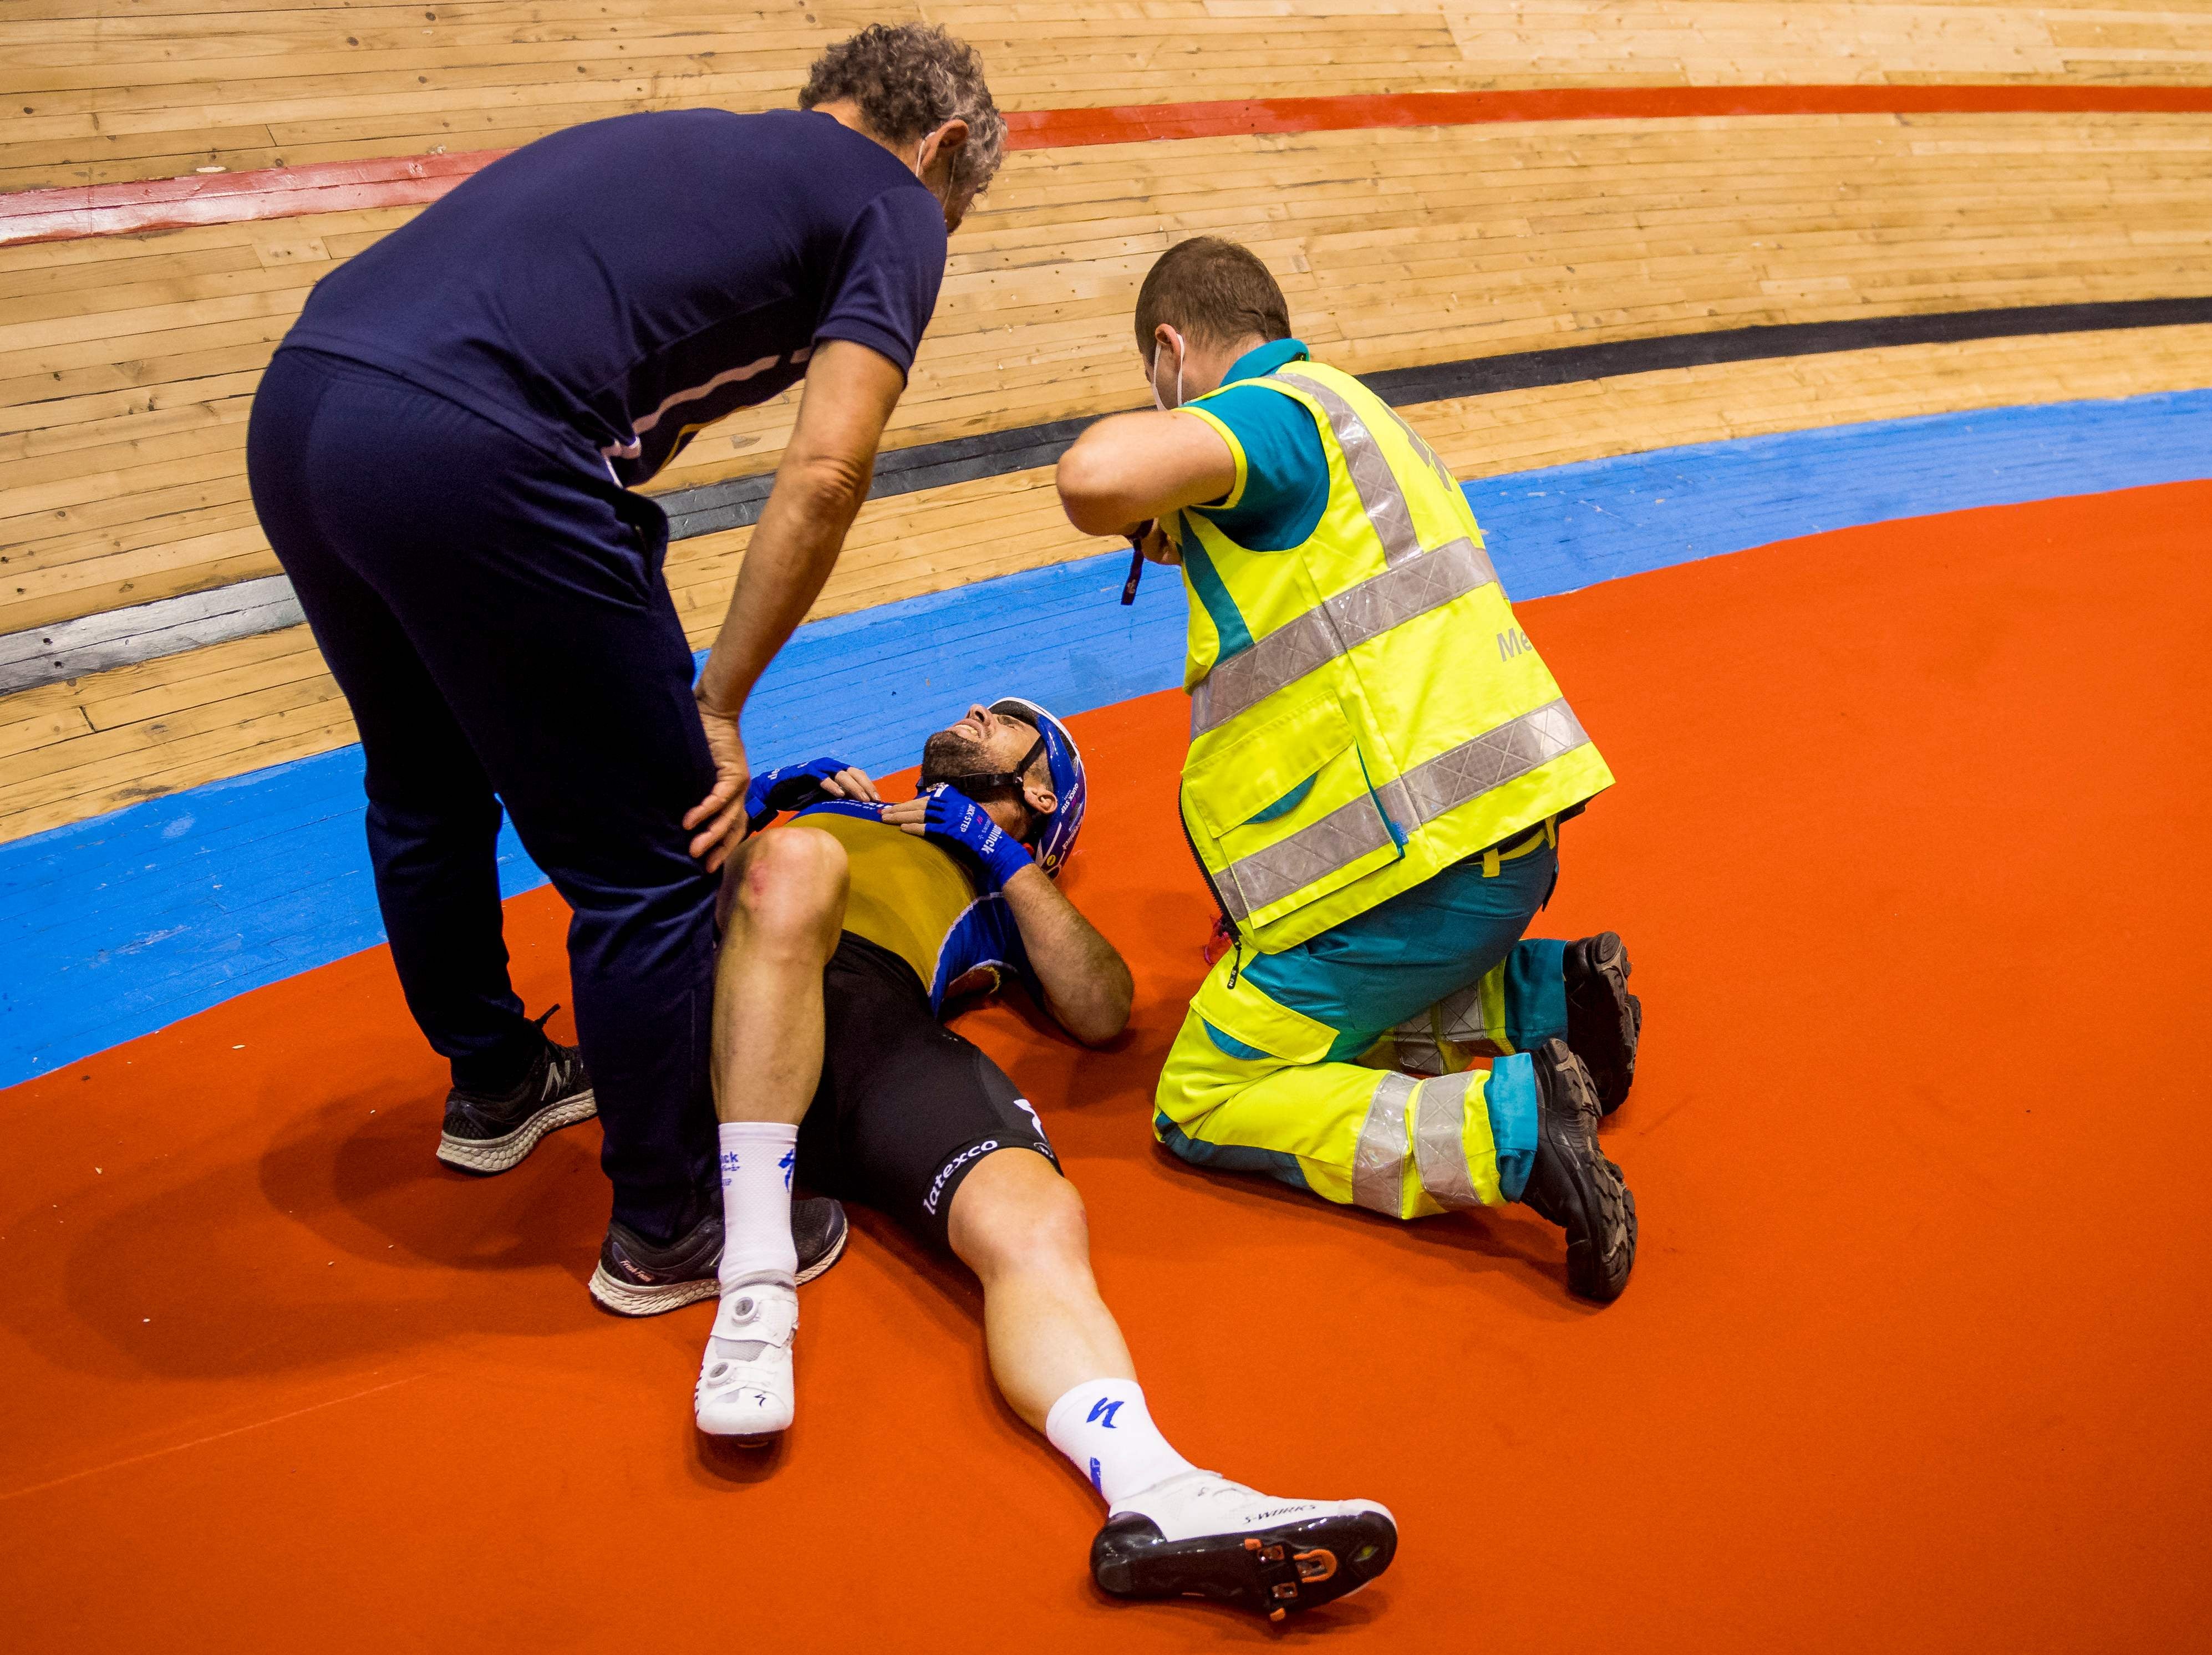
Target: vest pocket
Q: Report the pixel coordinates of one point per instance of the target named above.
(1289, 812)
(1237, 780)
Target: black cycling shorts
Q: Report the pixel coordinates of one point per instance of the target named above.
(907, 1108)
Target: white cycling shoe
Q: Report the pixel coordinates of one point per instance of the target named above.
(745, 1389)
(1200, 1535)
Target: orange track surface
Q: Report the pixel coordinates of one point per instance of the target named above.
(1910, 848)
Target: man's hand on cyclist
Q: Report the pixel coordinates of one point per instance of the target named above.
(794, 786)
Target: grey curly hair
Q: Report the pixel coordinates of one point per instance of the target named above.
(909, 79)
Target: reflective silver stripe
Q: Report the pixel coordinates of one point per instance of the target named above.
(1378, 1165)
(1418, 797)
(1491, 759)
(1427, 453)
(1243, 680)
(1345, 834)
(1370, 472)
(1336, 627)
(1440, 1141)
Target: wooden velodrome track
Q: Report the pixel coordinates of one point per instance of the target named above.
(1907, 307)
(127, 362)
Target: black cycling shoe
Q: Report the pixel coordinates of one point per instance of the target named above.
(488, 1132)
(1603, 1018)
(1573, 1184)
(1271, 1556)
(635, 1277)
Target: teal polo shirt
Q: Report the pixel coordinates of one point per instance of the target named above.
(1282, 472)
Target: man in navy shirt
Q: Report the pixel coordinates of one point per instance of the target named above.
(442, 452)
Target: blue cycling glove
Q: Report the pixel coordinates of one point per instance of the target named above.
(793, 787)
(958, 820)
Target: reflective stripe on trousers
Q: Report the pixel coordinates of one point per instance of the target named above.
(1426, 792)
(1439, 1144)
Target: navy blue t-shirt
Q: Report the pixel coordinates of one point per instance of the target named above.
(610, 290)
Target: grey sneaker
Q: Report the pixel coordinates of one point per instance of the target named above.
(635, 1277)
(489, 1132)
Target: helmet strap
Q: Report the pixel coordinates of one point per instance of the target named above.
(1006, 784)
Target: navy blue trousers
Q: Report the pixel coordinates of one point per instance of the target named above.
(497, 619)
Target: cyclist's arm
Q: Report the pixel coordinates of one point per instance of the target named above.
(1079, 975)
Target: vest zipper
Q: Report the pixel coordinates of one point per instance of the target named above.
(1221, 908)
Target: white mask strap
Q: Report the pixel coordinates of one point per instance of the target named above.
(1180, 357)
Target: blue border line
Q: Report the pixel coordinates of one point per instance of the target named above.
(115, 927)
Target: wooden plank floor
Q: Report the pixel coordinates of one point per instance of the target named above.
(97, 91)
(127, 364)
(71, 750)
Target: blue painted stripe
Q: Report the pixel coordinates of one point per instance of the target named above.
(1573, 526)
(113, 928)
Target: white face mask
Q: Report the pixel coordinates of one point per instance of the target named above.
(1181, 354)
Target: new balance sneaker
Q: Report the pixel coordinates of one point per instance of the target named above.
(636, 1277)
(488, 1132)
(1604, 1020)
(1199, 1535)
(745, 1389)
(1573, 1184)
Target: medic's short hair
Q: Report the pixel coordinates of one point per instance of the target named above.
(1211, 289)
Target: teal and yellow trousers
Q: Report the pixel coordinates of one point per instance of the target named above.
(1343, 1066)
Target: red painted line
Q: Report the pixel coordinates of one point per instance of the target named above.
(1068, 128)
(66, 215)
(96, 209)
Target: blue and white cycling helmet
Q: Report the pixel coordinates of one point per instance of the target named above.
(1053, 839)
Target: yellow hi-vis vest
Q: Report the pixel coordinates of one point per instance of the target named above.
(1364, 711)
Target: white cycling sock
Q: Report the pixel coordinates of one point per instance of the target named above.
(757, 1157)
(1106, 1429)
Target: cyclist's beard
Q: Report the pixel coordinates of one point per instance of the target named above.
(949, 756)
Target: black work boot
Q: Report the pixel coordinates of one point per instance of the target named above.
(1573, 1184)
(1603, 1018)
(638, 1277)
(488, 1132)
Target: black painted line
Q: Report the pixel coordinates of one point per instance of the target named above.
(147, 632)
(737, 502)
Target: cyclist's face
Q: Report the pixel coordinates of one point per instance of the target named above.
(1000, 742)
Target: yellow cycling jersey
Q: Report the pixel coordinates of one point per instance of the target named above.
(913, 897)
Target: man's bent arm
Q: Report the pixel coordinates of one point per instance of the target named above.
(1131, 467)
(1085, 983)
(819, 487)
